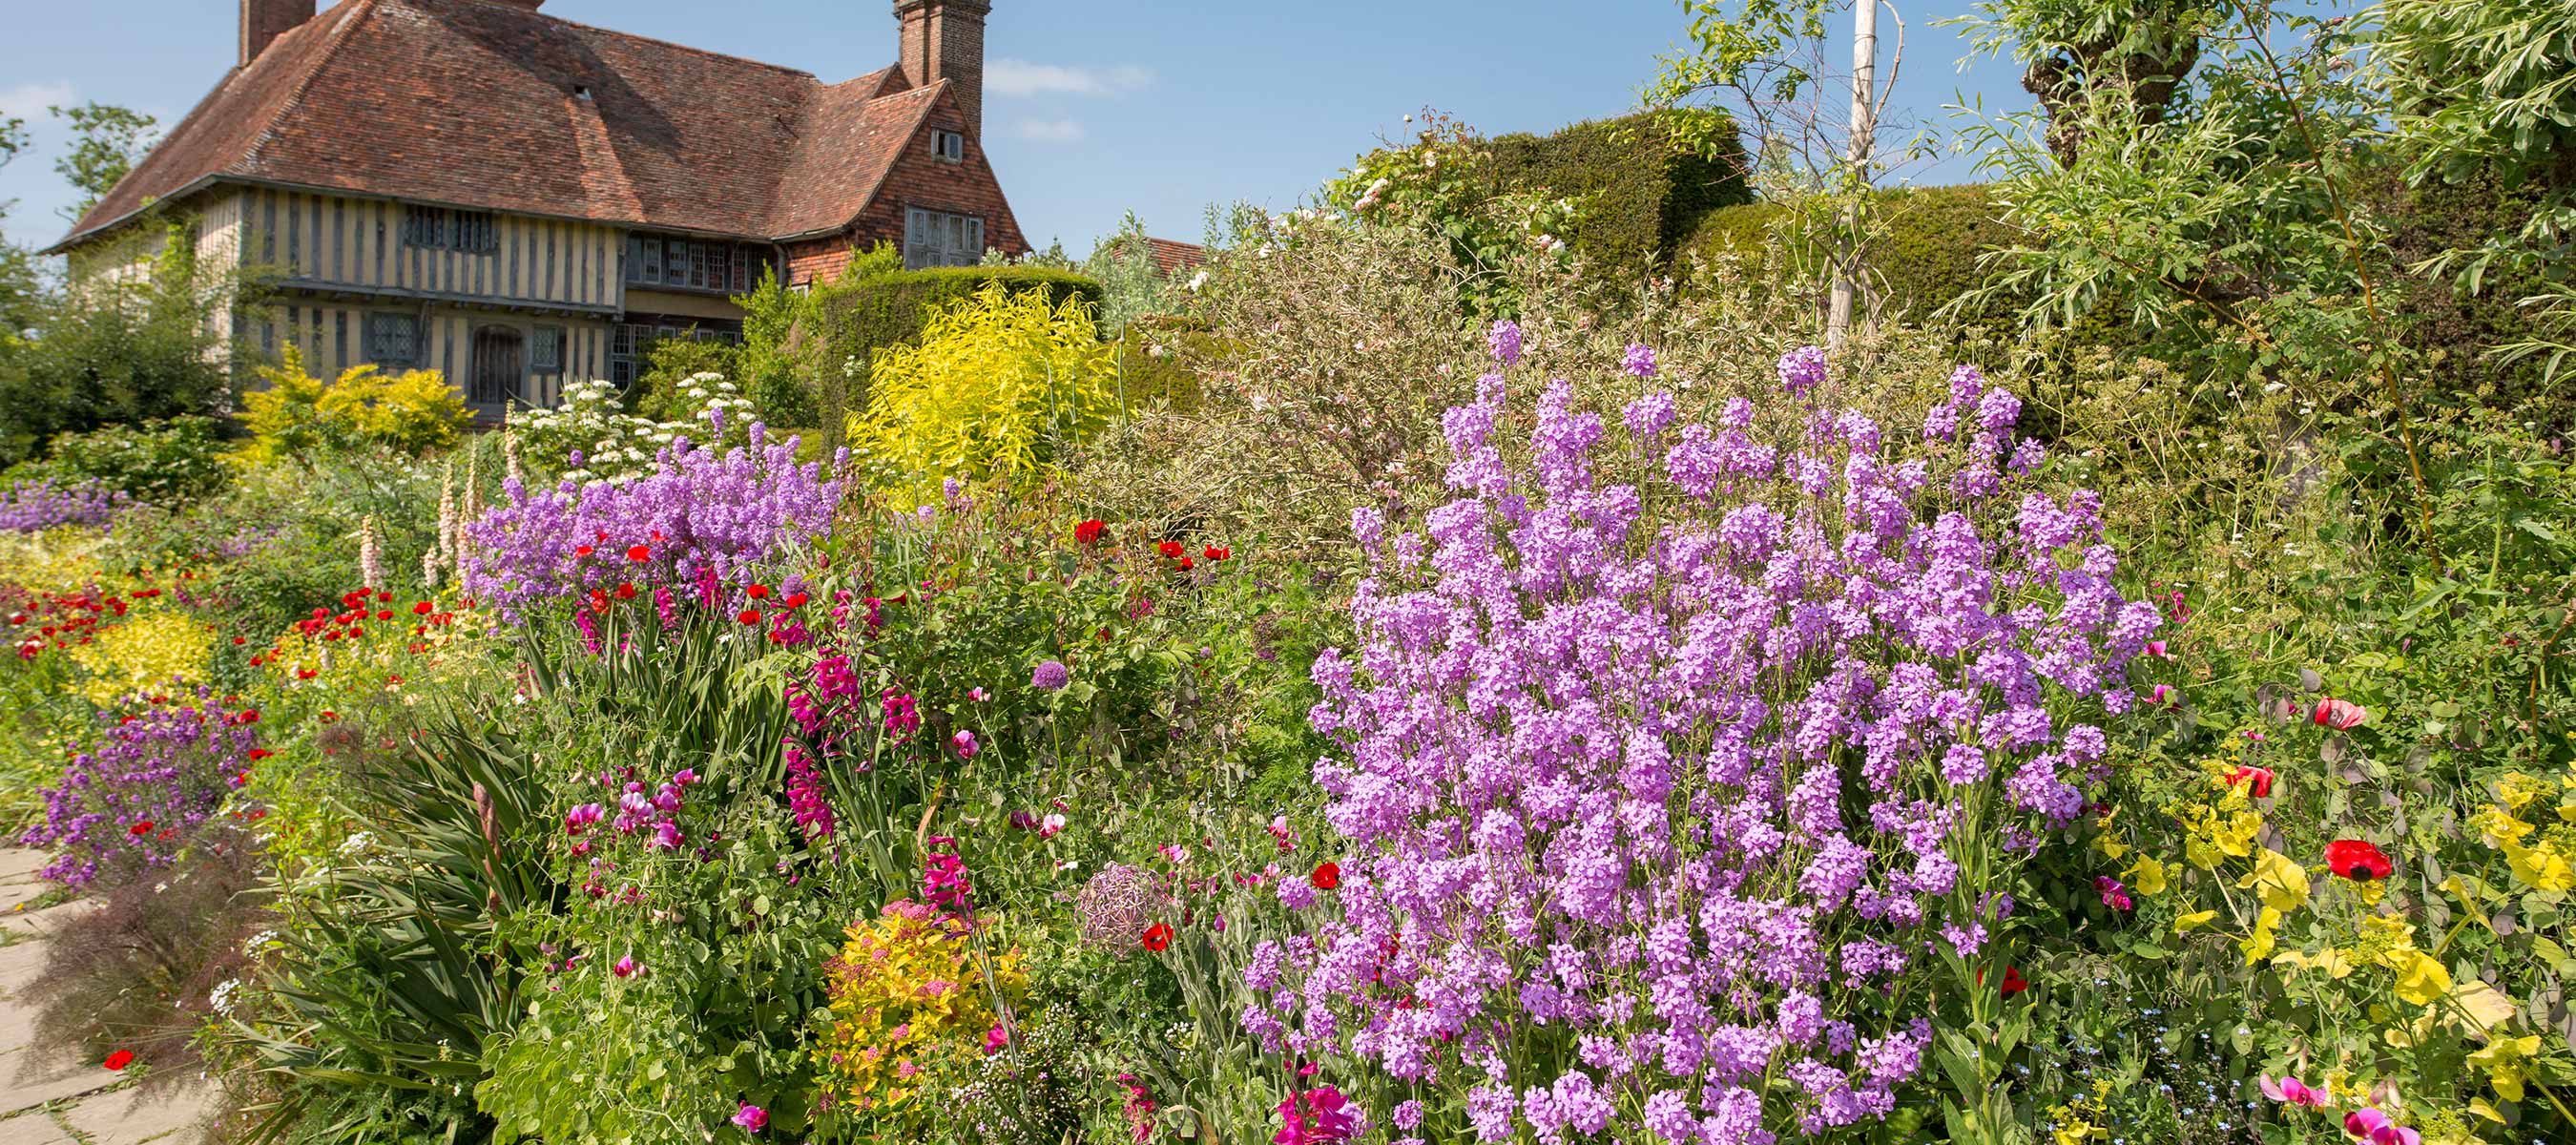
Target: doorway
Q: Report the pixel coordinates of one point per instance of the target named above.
(500, 364)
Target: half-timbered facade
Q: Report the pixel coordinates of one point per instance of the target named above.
(517, 201)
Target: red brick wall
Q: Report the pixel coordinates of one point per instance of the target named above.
(919, 179)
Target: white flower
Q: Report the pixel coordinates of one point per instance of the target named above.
(222, 997)
(1198, 280)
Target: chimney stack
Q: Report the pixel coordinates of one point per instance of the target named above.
(266, 20)
(944, 40)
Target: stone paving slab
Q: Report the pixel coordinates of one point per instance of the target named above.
(43, 1090)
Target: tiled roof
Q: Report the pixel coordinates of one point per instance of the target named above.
(497, 106)
(1170, 258)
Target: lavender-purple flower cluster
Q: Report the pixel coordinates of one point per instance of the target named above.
(1676, 782)
(131, 802)
(33, 506)
(700, 509)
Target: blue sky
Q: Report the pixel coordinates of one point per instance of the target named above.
(1092, 108)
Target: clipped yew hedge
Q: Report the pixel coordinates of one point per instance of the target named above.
(1643, 193)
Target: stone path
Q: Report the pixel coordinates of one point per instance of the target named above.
(47, 1098)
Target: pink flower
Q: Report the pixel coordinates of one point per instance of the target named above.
(751, 1118)
(2164, 696)
(2155, 648)
(995, 1039)
(1325, 1125)
(2340, 714)
(1175, 853)
(1050, 826)
(625, 967)
(2290, 1091)
(2379, 1129)
(2113, 894)
(964, 742)
(583, 816)
(978, 695)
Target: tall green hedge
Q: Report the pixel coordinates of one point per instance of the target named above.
(888, 309)
(1924, 253)
(1644, 193)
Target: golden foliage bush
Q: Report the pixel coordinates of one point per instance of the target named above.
(413, 413)
(1000, 385)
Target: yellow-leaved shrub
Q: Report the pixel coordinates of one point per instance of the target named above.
(413, 412)
(998, 385)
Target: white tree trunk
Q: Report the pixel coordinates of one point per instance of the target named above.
(1864, 129)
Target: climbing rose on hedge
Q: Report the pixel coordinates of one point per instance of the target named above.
(1680, 801)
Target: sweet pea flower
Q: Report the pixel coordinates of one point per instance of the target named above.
(2291, 1091)
(1050, 826)
(964, 742)
(625, 967)
(751, 1118)
(2369, 1124)
(996, 1039)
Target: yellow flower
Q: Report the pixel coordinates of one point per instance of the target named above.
(2147, 875)
(2258, 945)
(2420, 979)
(2500, 826)
(2186, 923)
(2517, 789)
(2281, 881)
(2330, 960)
(2502, 1059)
(2541, 868)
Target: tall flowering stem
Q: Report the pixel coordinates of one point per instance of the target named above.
(1690, 785)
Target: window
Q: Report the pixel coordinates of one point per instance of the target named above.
(545, 350)
(393, 339)
(937, 238)
(438, 228)
(948, 145)
(692, 264)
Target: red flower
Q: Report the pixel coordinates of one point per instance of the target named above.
(1089, 531)
(119, 1060)
(1170, 548)
(2014, 983)
(1327, 876)
(384, 615)
(757, 591)
(259, 753)
(582, 550)
(1186, 565)
(1216, 554)
(420, 608)
(639, 553)
(2340, 714)
(749, 616)
(141, 829)
(2260, 777)
(626, 591)
(1158, 936)
(239, 640)
(796, 600)
(2357, 860)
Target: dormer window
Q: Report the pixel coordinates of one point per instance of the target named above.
(948, 145)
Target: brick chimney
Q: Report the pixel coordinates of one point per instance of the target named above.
(944, 40)
(266, 20)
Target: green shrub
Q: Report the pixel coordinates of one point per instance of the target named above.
(1641, 191)
(118, 348)
(412, 413)
(161, 462)
(1924, 250)
(891, 309)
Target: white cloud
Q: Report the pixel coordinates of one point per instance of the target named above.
(1051, 130)
(1021, 77)
(28, 101)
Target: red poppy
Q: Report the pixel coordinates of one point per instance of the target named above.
(1327, 876)
(582, 550)
(420, 608)
(239, 640)
(141, 829)
(1170, 548)
(2014, 983)
(259, 753)
(1186, 565)
(2259, 777)
(1158, 936)
(757, 592)
(384, 615)
(749, 616)
(119, 1060)
(1089, 531)
(2340, 714)
(2356, 860)
(796, 600)
(1216, 554)
(638, 553)
(247, 716)
(626, 591)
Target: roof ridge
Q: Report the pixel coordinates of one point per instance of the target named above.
(543, 15)
(356, 12)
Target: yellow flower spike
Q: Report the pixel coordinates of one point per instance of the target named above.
(2420, 979)
(2281, 881)
(2503, 1060)
(2185, 924)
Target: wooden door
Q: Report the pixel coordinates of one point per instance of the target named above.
(500, 364)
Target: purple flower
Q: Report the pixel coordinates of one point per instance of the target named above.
(1802, 370)
(1639, 360)
(1504, 340)
(1050, 676)
(40, 504)
(751, 1118)
(133, 800)
(964, 743)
